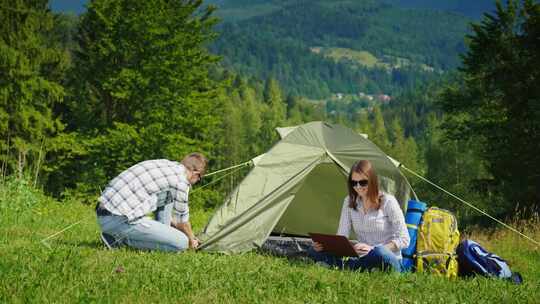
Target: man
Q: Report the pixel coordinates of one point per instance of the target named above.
(160, 186)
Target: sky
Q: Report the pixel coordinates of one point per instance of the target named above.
(74, 6)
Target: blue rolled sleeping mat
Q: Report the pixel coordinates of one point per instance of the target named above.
(413, 217)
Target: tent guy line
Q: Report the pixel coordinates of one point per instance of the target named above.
(469, 205)
(297, 187)
(302, 157)
(238, 167)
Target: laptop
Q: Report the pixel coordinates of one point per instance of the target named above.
(337, 245)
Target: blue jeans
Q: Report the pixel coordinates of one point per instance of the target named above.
(378, 258)
(146, 233)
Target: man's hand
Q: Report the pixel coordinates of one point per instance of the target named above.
(194, 243)
(362, 248)
(186, 229)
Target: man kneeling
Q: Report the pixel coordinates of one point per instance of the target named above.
(160, 186)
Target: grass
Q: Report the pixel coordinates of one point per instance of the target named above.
(76, 268)
(363, 58)
(366, 59)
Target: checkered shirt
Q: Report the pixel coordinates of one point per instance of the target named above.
(376, 227)
(134, 193)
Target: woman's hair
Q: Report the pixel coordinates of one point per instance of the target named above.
(364, 167)
(195, 162)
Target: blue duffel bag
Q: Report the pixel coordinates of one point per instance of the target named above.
(475, 260)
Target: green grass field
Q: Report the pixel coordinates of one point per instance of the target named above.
(366, 59)
(363, 58)
(74, 267)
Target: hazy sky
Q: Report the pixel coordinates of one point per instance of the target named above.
(75, 6)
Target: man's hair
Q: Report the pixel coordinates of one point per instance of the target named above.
(195, 162)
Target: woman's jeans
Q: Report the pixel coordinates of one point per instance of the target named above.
(378, 258)
(145, 233)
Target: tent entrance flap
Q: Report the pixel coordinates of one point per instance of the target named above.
(317, 204)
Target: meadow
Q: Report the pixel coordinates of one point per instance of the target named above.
(74, 267)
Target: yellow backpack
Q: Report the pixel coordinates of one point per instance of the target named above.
(438, 237)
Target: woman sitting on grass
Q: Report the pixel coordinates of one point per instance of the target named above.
(377, 221)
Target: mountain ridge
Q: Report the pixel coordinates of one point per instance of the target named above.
(473, 9)
(280, 44)
(275, 38)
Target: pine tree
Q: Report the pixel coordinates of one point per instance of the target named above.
(379, 133)
(251, 122)
(456, 165)
(31, 69)
(274, 114)
(143, 67)
(230, 137)
(497, 101)
(274, 99)
(403, 149)
(294, 116)
(363, 125)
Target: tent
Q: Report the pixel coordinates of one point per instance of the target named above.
(298, 187)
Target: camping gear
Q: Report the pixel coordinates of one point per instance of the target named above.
(413, 217)
(297, 187)
(287, 246)
(438, 237)
(473, 259)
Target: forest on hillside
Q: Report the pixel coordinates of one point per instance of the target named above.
(82, 98)
(416, 46)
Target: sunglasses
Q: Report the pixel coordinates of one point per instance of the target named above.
(359, 183)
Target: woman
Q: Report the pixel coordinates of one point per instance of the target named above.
(376, 220)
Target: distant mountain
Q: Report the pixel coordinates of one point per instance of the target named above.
(239, 9)
(471, 8)
(319, 47)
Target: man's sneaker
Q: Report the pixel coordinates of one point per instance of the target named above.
(109, 241)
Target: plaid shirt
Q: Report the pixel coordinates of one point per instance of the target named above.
(134, 193)
(376, 227)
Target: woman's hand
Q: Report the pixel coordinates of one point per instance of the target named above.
(318, 247)
(362, 248)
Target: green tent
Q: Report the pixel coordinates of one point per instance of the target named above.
(297, 187)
